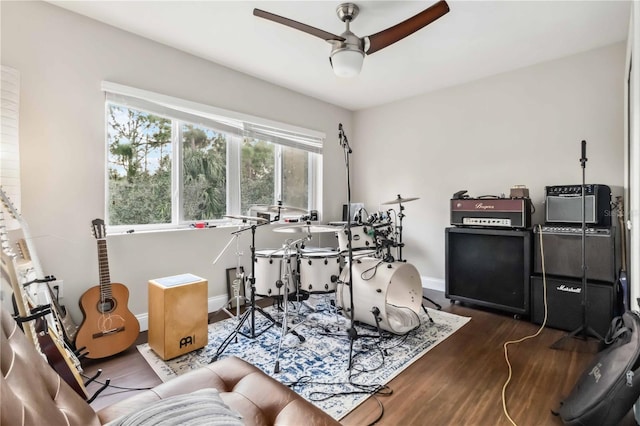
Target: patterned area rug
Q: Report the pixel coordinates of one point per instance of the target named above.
(315, 364)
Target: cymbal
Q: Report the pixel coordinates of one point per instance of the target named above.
(401, 200)
(283, 209)
(246, 218)
(305, 229)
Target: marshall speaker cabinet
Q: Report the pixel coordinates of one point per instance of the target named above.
(489, 267)
(563, 269)
(564, 303)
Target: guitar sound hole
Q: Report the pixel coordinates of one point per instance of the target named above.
(106, 306)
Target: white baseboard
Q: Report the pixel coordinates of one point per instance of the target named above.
(433, 283)
(213, 304)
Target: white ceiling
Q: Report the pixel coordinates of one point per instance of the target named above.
(475, 39)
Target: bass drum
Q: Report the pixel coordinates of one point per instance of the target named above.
(319, 271)
(272, 266)
(394, 288)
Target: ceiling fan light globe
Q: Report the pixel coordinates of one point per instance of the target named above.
(347, 63)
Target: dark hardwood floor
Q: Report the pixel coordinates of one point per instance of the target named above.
(459, 382)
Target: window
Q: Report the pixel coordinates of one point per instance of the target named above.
(173, 162)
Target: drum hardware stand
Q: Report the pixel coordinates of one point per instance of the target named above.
(401, 216)
(239, 278)
(425, 309)
(376, 311)
(288, 275)
(584, 331)
(251, 310)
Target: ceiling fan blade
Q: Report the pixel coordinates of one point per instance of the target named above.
(297, 25)
(405, 28)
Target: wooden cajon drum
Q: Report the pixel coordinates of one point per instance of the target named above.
(177, 315)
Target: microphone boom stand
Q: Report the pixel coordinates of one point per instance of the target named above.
(585, 330)
(352, 332)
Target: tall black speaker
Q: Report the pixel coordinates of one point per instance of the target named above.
(564, 303)
(489, 267)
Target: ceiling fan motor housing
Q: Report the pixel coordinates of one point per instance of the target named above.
(347, 12)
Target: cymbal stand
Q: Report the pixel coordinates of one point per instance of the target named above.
(251, 310)
(401, 216)
(287, 277)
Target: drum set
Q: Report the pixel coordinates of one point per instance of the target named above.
(387, 291)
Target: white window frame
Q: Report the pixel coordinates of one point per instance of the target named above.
(236, 126)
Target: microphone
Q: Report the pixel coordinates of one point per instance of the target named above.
(584, 153)
(344, 142)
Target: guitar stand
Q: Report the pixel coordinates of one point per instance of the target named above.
(37, 312)
(101, 389)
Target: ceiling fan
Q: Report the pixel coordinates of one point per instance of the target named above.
(347, 53)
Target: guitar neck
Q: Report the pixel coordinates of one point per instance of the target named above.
(103, 268)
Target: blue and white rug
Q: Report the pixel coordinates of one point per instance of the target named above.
(318, 367)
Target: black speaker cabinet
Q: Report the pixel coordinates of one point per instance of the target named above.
(489, 267)
(564, 304)
(563, 254)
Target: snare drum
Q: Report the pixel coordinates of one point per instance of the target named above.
(394, 288)
(272, 266)
(319, 271)
(361, 238)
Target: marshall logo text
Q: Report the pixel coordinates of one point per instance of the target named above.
(566, 288)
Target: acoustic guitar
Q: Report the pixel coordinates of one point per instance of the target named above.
(108, 326)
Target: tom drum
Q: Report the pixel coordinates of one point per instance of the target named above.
(361, 238)
(271, 267)
(319, 271)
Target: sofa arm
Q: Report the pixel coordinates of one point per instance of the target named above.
(260, 399)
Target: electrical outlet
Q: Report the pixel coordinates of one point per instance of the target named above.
(58, 288)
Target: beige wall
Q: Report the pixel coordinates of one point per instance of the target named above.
(62, 58)
(521, 127)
